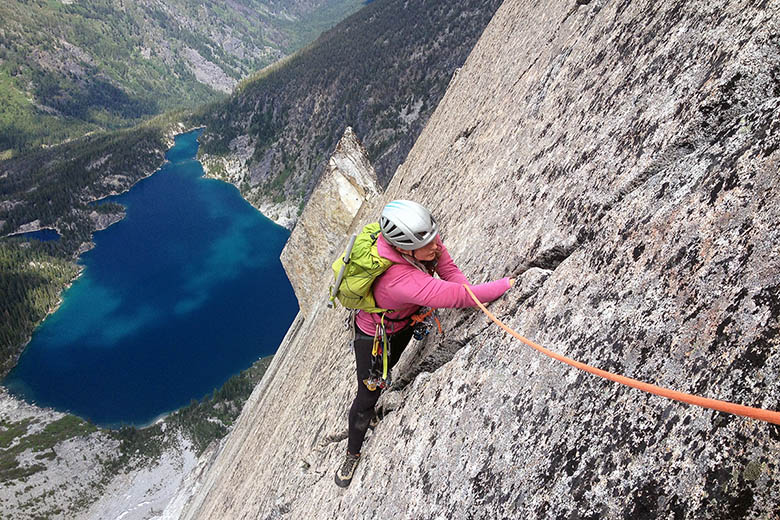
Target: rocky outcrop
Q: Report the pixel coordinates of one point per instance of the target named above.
(231, 169)
(142, 491)
(103, 221)
(322, 230)
(54, 469)
(621, 159)
(43, 478)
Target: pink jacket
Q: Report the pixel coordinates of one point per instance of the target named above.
(405, 289)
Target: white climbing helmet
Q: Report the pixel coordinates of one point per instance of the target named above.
(407, 225)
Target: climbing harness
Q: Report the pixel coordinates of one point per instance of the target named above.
(714, 404)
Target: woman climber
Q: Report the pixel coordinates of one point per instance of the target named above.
(409, 238)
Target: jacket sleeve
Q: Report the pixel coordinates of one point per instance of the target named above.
(415, 287)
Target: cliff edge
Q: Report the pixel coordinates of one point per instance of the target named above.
(621, 159)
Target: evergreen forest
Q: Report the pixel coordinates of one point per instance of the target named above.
(30, 285)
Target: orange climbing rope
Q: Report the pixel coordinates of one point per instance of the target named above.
(721, 406)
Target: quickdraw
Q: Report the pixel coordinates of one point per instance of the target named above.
(372, 383)
(381, 348)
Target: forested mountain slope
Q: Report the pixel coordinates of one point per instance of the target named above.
(70, 66)
(382, 71)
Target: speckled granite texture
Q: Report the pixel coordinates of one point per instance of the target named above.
(621, 158)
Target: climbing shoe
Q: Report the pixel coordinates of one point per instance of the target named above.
(344, 474)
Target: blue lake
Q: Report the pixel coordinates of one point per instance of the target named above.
(184, 292)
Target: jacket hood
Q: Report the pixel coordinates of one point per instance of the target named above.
(385, 250)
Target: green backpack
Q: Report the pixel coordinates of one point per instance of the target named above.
(356, 271)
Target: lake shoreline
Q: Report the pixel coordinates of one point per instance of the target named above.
(170, 135)
(221, 238)
(173, 131)
(82, 464)
(81, 471)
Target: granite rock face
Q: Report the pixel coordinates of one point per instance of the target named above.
(621, 159)
(322, 230)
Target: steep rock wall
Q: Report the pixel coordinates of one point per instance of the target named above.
(621, 159)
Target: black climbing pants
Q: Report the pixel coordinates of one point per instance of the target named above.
(362, 409)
